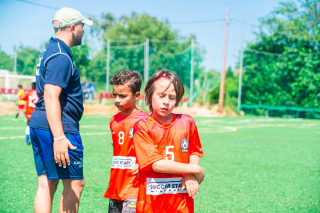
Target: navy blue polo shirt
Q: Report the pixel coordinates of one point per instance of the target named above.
(56, 67)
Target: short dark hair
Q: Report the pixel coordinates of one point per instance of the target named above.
(128, 76)
(173, 78)
(20, 86)
(63, 28)
(33, 85)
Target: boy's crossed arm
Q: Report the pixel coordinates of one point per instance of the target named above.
(194, 174)
(189, 181)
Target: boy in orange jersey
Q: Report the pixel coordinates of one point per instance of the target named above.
(124, 182)
(31, 99)
(168, 150)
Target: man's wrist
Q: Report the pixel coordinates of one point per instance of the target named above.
(59, 138)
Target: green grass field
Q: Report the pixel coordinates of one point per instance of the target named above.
(252, 164)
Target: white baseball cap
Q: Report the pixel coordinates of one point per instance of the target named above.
(68, 16)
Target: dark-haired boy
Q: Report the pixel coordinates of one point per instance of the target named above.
(124, 183)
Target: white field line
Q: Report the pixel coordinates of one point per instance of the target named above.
(251, 120)
(218, 130)
(263, 120)
(19, 119)
(84, 127)
(302, 126)
(94, 126)
(11, 128)
(88, 133)
(12, 137)
(221, 129)
(210, 121)
(95, 133)
(213, 121)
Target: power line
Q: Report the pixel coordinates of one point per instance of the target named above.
(50, 7)
(175, 22)
(127, 41)
(172, 41)
(127, 47)
(212, 21)
(197, 22)
(246, 23)
(174, 54)
(280, 54)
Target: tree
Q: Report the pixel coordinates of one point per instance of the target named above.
(80, 58)
(27, 58)
(290, 76)
(133, 30)
(6, 61)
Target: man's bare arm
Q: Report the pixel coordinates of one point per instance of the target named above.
(52, 104)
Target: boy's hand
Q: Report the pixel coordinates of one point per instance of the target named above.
(135, 170)
(199, 174)
(190, 182)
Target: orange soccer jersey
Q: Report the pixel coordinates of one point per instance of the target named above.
(153, 141)
(123, 184)
(31, 98)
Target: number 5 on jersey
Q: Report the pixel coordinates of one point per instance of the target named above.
(168, 152)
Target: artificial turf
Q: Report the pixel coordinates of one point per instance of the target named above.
(252, 164)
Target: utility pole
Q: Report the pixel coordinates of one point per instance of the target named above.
(108, 66)
(15, 60)
(241, 66)
(204, 98)
(191, 72)
(223, 74)
(146, 62)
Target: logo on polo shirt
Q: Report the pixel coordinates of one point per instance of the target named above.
(38, 65)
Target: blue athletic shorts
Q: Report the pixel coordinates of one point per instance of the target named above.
(42, 144)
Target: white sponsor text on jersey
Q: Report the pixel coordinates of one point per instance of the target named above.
(159, 186)
(121, 162)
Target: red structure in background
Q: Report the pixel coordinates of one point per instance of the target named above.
(109, 95)
(102, 95)
(10, 91)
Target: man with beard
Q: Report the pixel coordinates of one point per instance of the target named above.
(54, 125)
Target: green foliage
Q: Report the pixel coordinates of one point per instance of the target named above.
(27, 58)
(126, 31)
(133, 30)
(80, 58)
(206, 95)
(229, 73)
(292, 78)
(6, 61)
(231, 90)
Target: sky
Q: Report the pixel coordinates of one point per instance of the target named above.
(31, 25)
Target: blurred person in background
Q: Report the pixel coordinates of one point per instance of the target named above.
(21, 102)
(31, 99)
(92, 88)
